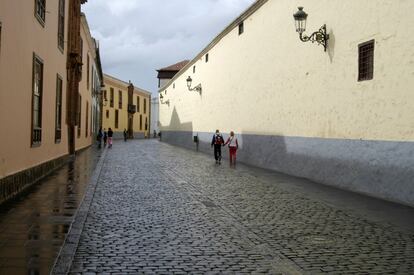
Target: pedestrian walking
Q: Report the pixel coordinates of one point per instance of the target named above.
(110, 134)
(233, 146)
(155, 134)
(125, 135)
(216, 142)
(99, 138)
(105, 137)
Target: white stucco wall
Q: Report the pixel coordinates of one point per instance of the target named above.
(267, 82)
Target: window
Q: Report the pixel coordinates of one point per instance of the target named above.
(111, 100)
(87, 119)
(92, 121)
(79, 116)
(120, 99)
(40, 11)
(366, 61)
(146, 124)
(173, 85)
(61, 25)
(140, 122)
(58, 111)
(116, 118)
(138, 104)
(145, 105)
(107, 113)
(194, 69)
(37, 100)
(81, 55)
(206, 58)
(0, 38)
(87, 72)
(105, 96)
(241, 28)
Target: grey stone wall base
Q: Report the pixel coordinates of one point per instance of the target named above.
(16, 184)
(382, 169)
(120, 135)
(65, 257)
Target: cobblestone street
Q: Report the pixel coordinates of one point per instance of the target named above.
(162, 209)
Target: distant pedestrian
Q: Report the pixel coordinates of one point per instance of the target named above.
(110, 134)
(125, 135)
(154, 134)
(105, 137)
(99, 138)
(217, 142)
(233, 146)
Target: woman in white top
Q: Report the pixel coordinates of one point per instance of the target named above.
(233, 146)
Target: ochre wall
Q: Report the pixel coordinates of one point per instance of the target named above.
(123, 112)
(85, 90)
(22, 35)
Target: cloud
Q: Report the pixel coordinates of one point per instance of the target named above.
(139, 36)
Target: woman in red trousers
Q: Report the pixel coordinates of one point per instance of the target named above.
(233, 146)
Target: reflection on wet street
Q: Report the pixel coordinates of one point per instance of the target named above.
(33, 227)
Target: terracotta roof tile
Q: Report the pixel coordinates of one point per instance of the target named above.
(176, 67)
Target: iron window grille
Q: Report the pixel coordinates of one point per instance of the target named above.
(37, 100)
(87, 119)
(61, 25)
(40, 11)
(79, 116)
(366, 61)
(58, 123)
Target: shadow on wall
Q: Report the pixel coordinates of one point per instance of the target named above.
(182, 137)
(331, 46)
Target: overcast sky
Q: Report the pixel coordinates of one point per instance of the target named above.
(139, 36)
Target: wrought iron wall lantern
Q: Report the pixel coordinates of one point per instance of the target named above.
(196, 88)
(164, 102)
(320, 36)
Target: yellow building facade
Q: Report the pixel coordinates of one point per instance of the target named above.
(89, 90)
(342, 117)
(33, 91)
(124, 111)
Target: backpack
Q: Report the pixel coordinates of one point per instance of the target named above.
(219, 139)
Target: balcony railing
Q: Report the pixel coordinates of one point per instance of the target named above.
(36, 136)
(132, 109)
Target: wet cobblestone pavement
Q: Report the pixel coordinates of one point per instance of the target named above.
(167, 210)
(33, 226)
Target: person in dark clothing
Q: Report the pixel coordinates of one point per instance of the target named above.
(105, 137)
(125, 135)
(217, 142)
(110, 134)
(99, 138)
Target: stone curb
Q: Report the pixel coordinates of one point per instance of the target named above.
(67, 252)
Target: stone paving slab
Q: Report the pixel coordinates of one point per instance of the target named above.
(159, 209)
